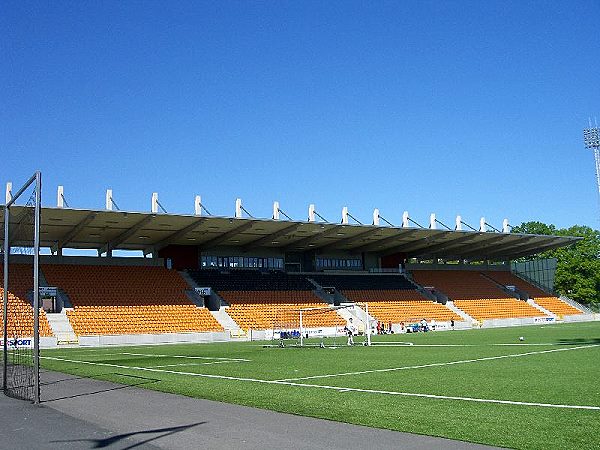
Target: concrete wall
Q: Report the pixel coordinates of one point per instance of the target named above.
(147, 339)
(495, 323)
(89, 260)
(478, 268)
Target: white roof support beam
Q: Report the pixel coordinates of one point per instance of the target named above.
(458, 226)
(109, 200)
(60, 197)
(8, 192)
(238, 208)
(345, 215)
(198, 205)
(405, 218)
(311, 212)
(376, 217)
(154, 203)
(275, 210)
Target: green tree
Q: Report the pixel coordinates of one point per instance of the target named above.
(535, 228)
(578, 269)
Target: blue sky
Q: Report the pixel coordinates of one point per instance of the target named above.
(471, 107)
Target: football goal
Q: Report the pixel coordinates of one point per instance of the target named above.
(321, 326)
(20, 291)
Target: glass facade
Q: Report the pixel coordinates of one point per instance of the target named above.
(242, 262)
(338, 264)
(538, 271)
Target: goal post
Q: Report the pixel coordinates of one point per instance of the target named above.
(21, 302)
(334, 308)
(322, 326)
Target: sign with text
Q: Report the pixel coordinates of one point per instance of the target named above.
(18, 342)
(48, 291)
(203, 291)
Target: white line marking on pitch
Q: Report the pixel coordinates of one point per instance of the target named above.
(186, 357)
(410, 344)
(449, 363)
(210, 358)
(335, 388)
(195, 364)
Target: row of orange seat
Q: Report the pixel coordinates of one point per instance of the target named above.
(481, 296)
(20, 318)
(279, 309)
(500, 308)
(141, 319)
(128, 300)
(549, 302)
(132, 299)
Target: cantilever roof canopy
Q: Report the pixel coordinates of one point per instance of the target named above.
(150, 232)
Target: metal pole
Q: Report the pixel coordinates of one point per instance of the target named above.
(18, 194)
(5, 300)
(36, 287)
(368, 324)
(301, 331)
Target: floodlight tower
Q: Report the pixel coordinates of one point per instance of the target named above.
(591, 139)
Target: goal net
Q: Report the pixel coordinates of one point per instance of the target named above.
(20, 291)
(317, 326)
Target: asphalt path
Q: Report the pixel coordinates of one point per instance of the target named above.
(80, 413)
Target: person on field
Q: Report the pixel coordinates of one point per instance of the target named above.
(351, 331)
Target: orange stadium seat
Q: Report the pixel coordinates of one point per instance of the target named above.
(401, 306)
(542, 298)
(263, 310)
(128, 300)
(20, 311)
(476, 295)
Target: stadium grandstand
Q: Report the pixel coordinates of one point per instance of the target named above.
(205, 278)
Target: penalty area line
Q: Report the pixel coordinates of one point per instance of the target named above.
(195, 364)
(449, 363)
(186, 357)
(339, 389)
(410, 344)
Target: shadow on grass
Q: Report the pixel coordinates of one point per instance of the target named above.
(579, 341)
(106, 442)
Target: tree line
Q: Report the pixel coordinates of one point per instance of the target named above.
(578, 265)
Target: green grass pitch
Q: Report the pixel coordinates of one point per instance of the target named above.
(456, 384)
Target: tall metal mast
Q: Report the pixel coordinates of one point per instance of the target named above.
(591, 139)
